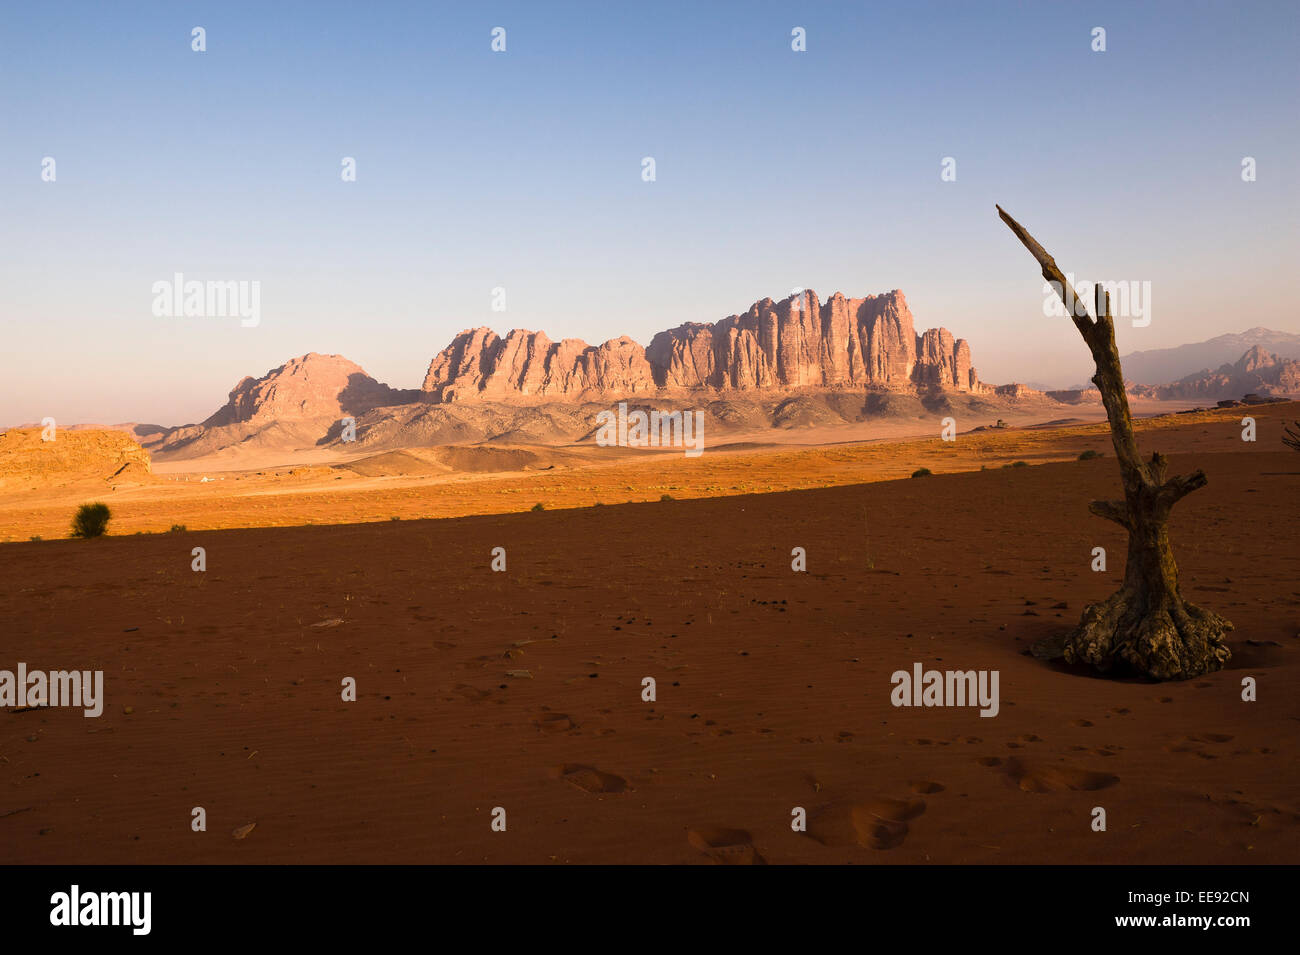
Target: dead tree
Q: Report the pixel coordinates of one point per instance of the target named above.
(1145, 625)
(1290, 437)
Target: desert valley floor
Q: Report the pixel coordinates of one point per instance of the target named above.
(522, 689)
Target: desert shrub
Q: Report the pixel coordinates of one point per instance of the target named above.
(667, 497)
(177, 529)
(922, 472)
(1019, 464)
(1090, 454)
(539, 506)
(91, 520)
(37, 537)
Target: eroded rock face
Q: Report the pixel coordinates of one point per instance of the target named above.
(313, 386)
(480, 364)
(798, 342)
(1258, 370)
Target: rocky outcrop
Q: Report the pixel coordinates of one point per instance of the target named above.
(313, 386)
(1075, 396)
(73, 456)
(796, 343)
(1258, 371)
(480, 364)
(1163, 365)
(1015, 391)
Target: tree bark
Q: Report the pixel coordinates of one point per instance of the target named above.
(1146, 625)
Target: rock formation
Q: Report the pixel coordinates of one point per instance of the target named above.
(796, 343)
(1162, 365)
(1258, 370)
(313, 386)
(480, 364)
(74, 456)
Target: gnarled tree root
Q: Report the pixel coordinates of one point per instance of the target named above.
(1174, 641)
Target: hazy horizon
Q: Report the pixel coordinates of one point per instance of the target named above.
(522, 170)
(217, 401)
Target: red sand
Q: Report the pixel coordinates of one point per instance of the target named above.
(773, 686)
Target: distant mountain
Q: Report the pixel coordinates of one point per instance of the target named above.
(1258, 371)
(294, 406)
(1162, 365)
(794, 363)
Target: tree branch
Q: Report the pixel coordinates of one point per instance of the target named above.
(1100, 338)
(1116, 511)
(1157, 467)
(1177, 488)
(1073, 304)
(1291, 438)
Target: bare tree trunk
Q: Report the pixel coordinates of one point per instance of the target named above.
(1145, 625)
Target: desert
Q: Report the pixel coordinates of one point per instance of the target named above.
(522, 690)
(687, 434)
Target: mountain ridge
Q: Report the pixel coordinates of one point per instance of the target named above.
(797, 342)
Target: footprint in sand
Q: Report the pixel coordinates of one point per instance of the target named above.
(551, 723)
(725, 846)
(590, 779)
(880, 823)
(471, 693)
(1195, 744)
(1035, 777)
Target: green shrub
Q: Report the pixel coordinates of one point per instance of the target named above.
(91, 520)
(177, 529)
(539, 506)
(37, 537)
(922, 472)
(1090, 454)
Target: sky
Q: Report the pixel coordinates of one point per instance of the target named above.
(775, 169)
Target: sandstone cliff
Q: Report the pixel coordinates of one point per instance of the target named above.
(796, 343)
(480, 364)
(313, 386)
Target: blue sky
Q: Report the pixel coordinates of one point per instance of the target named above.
(522, 170)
